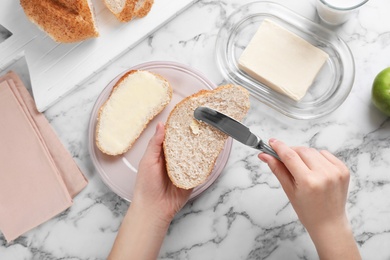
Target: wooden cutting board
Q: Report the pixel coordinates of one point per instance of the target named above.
(56, 68)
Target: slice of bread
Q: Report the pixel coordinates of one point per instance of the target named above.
(63, 20)
(134, 101)
(126, 10)
(191, 148)
(143, 7)
(122, 9)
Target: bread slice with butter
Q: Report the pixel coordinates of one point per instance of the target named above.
(282, 60)
(134, 101)
(191, 148)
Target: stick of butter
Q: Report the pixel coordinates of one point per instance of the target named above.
(282, 60)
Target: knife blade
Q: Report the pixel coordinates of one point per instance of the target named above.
(233, 128)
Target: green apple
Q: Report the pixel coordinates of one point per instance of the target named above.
(380, 94)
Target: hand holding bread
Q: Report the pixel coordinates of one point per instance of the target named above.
(191, 148)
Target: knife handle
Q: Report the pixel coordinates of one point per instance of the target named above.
(267, 149)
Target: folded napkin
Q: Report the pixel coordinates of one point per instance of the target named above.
(38, 176)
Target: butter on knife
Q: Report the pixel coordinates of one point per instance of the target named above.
(282, 60)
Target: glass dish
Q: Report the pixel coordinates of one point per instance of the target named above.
(332, 84)
(119, 172)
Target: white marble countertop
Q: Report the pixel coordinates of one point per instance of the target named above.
(245, 214)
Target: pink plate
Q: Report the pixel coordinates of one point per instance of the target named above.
(119, 172)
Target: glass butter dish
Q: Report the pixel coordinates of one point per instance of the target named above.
(330, 87)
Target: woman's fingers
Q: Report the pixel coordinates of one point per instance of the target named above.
(313, 159)
(290, 158)
(333, 159)
(155, 143)
(280, 171)
(343, 170)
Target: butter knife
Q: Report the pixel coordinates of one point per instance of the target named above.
(232, 128)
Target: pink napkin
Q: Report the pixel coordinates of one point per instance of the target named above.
(38, 176)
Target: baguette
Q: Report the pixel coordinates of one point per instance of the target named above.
(63, 20)
(191, 148)
(134, 101)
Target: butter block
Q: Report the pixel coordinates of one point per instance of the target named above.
(282, 60)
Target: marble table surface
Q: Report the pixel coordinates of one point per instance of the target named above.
(245, 214)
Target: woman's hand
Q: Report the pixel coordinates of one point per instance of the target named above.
(316, 183)
(154, 191)
(155, 202)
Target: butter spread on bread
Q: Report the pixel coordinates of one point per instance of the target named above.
(63, 20)
(134, 101)
(192, 148)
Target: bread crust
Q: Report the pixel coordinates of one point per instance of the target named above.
(64, 21)
(131, 9)
(127, 12)
(144, 9)
(192, 101)
(102, 107)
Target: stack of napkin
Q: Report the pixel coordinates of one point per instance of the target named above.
(38, 176)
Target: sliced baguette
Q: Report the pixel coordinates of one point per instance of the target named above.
(122, 9)
(133, 102)
(126, 10)
(143, 7)
(191, 148)
(64, 21)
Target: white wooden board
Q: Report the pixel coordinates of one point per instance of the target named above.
(55, 68)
